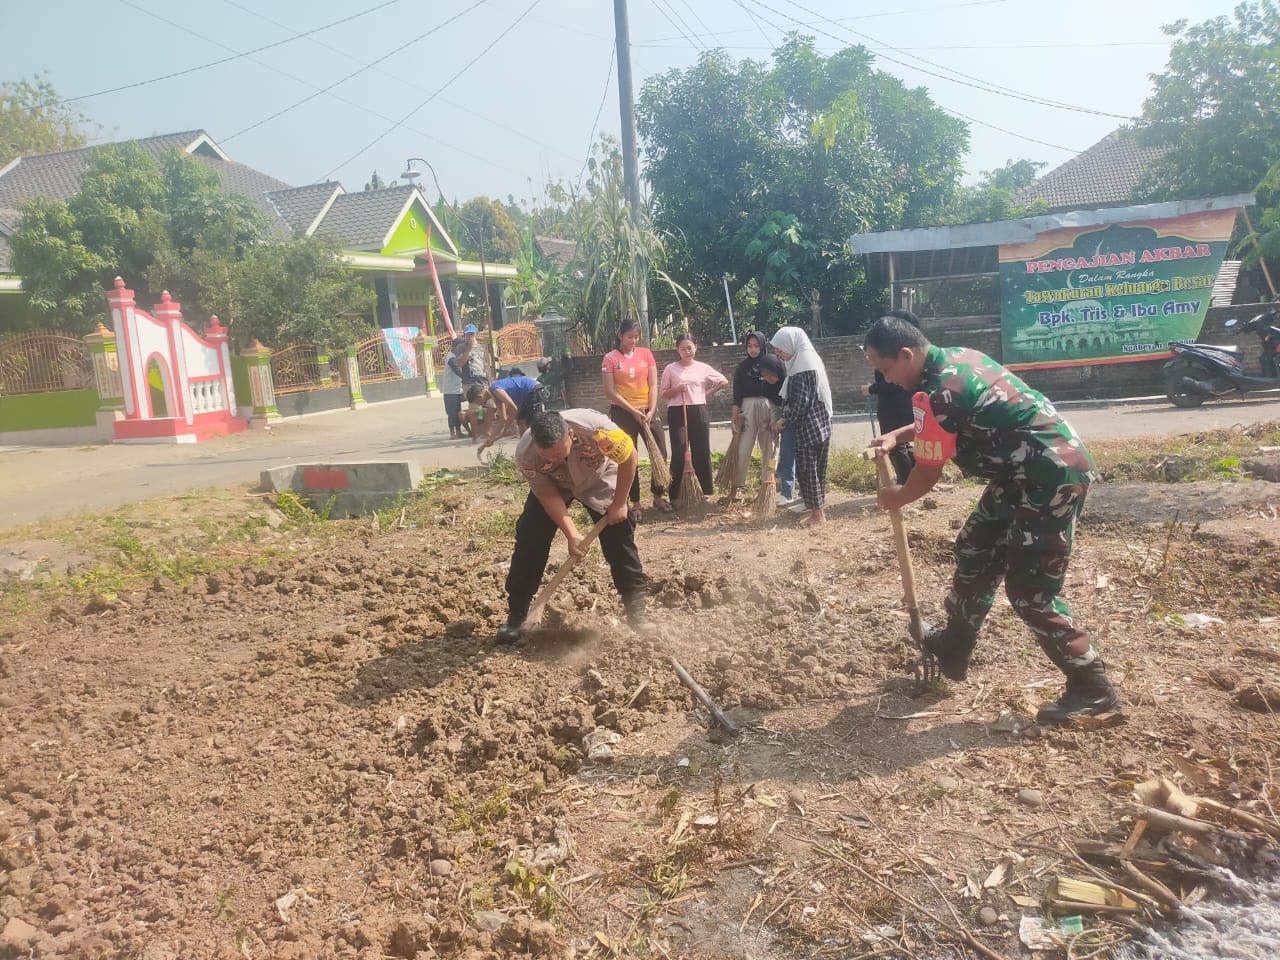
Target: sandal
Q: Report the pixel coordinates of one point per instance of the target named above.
(637, 512)
(663, 504)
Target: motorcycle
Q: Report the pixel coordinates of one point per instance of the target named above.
(1207, 371)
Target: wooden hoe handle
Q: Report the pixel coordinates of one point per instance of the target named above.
(900, 545)
(540, 602)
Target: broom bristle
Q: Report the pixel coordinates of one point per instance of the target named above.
(725, 475)
(766, 502)
(690, 498)
(657, 462)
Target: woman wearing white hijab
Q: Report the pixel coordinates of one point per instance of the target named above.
(806, 396)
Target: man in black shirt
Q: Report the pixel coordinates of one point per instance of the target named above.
(893, 409)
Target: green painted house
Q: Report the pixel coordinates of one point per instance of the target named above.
(384, 234)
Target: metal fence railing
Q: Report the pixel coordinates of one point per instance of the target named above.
(299, 367)
(376, 357)
(44, 361)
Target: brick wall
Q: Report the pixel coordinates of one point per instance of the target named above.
(848, 370)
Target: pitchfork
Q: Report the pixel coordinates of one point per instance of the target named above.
(926, 666)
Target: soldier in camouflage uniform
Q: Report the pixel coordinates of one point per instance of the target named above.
(971, 409)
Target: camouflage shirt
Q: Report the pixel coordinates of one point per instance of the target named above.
(1004, 429)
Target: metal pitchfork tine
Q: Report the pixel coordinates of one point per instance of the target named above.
(926, 666)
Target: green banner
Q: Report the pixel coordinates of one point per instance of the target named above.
(1114, 294)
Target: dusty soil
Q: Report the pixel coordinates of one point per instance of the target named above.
(327, 755)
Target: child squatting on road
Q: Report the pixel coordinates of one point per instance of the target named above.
(574, 455)
(971, 409)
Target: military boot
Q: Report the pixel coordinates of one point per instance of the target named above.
(951, 651)
(1089, 693)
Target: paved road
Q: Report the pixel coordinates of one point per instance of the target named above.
(40, 482)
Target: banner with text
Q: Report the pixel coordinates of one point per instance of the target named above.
(1085, 295)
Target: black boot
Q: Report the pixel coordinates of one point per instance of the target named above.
(1089, 693)
(638, 617)
(952, 652)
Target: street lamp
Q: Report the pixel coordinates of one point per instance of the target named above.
(411, 175)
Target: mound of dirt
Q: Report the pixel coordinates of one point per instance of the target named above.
(329, 755)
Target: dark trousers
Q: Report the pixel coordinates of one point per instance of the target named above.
(629, 425)
(535, 532)
(1023, 535)
(698, 441)
(903, 458)
(453, 410)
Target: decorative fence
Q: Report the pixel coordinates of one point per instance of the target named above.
(304, 366)
(378, 359)
(44, 361)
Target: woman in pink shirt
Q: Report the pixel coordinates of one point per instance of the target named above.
(686, 385)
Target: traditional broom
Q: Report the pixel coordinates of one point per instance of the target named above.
(690, 498)
(725, 475)
(657, 460)
(766, 501)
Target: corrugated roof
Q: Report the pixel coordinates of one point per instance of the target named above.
(361, 221)
(300, 206)
(1105, 175)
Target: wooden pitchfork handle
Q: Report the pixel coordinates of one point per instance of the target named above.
(900, 545)
(540, 602)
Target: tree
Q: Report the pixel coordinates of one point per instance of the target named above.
(482, 217)
(992, 197)
(1216, 107)
(375, 182)
(538, 283)
(839, 147)
(299, 290)
(33, 120)
(170, 227)
(614, 255)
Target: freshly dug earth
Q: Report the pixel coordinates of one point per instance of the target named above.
(327, 754)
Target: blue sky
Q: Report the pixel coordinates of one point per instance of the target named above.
(524, 111)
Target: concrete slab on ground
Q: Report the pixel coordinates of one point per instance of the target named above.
(340, 490)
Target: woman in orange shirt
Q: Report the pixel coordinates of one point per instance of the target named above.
(630, 377)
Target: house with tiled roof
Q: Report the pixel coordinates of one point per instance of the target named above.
(560, 252)
(57, 176)
(1105, 175)
(390, 236)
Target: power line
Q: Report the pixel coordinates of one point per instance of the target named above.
(978, 84)
(693, 12)
(657, 5)
(364, 108)
(355, 73)
(604, 95)
(654, 45)
(528, 10)
(214, 63)
(862, 16)
(952, 112)
(992, 126)
(765, 36)
(504, 126)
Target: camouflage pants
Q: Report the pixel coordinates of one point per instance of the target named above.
(1022, 534)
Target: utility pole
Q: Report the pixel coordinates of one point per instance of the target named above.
(630, 159)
